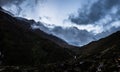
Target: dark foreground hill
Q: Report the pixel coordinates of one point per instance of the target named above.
(21, 45)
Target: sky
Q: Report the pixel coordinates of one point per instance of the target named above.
(78, 22)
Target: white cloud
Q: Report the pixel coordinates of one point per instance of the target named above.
(55, 13)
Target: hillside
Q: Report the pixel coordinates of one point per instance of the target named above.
(21, 45)
(98, 56)
(23, 49)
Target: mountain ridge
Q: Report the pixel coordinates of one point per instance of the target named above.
(20, 44)
(98, 56)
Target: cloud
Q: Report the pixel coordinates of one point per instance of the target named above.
(17, 2)
(73, 35)
(77, 37)
(21, 8)
(8, 2)
(102, 14)
(95, 19)
(101, 19)
(97, 11)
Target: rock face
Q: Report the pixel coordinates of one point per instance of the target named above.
(20, 45)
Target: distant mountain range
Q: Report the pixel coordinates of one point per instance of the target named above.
(22, 46)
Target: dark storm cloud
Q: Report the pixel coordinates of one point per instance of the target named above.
(18, 6)
(97, 11)
(7, 2)
(73, 35)
(78, 37)
(17, 2)
(107, 33)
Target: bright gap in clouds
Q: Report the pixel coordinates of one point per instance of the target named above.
(51, 12)
(76, 21)
(56, 11)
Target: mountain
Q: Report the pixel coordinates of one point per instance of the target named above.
(98, 56)
(23, 49)
(22, 45)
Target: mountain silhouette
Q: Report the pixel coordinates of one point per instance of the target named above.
(22, 45)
